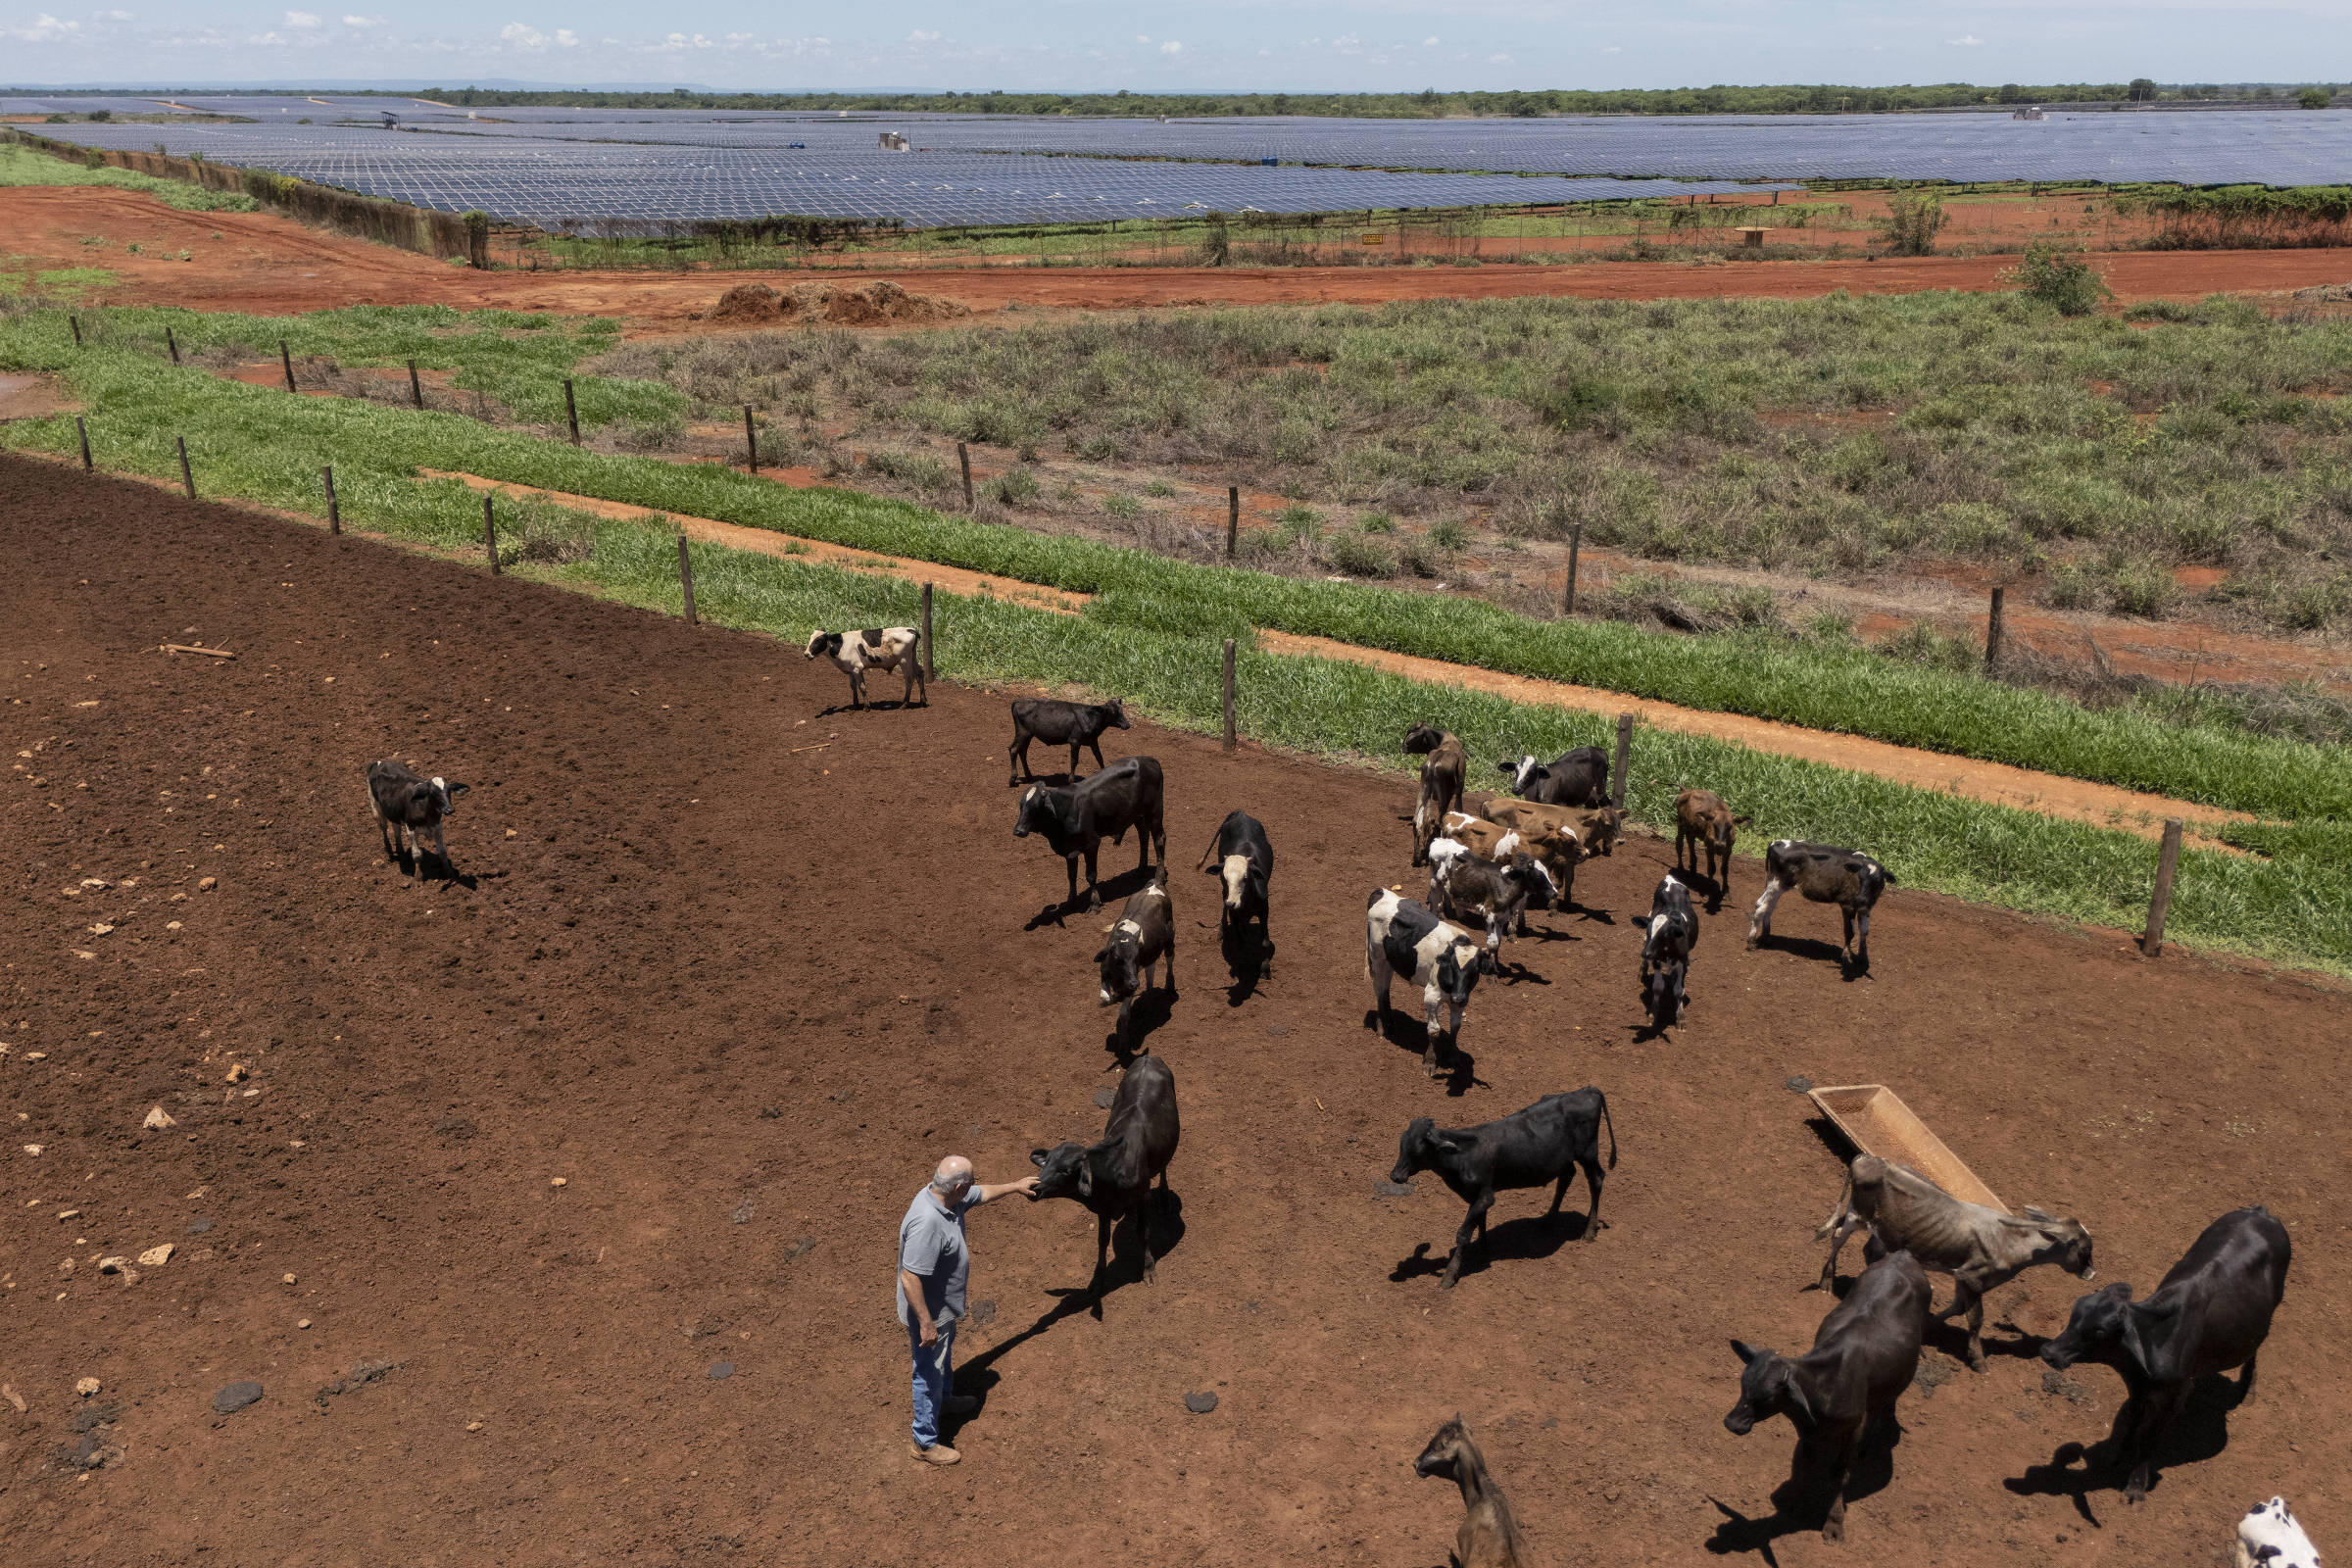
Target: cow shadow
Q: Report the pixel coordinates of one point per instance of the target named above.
(1052, 781)
(1526, 1238)
(1152, 1009)
(886, 704)
(1247, 957)
(1817, 950)
(1111, 890)
(424, 866)
(1802, 1501)
(1700, 882)
(2075, 1471)
(1407, 1032)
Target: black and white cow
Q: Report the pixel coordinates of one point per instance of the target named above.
(883, 648)
(1578, 777)
(1075, 819)
(1242, 858)
(409, 805)
(1464, 885)
(1847, 878)
(1403, 938)
(1666, 951)
(1144, 935)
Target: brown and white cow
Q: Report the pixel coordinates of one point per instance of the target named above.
(883, 648)
(1558, 851)
(1445, 766)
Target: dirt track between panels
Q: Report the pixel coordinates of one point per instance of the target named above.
(694, 920)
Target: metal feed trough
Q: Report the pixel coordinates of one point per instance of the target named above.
(1878, 1123)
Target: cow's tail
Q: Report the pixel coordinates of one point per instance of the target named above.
(1208, 856)
(1846, 1202)
(1605, 1116)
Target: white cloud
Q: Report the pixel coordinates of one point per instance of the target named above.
(1967, 41)
(113, 15)
(1499, 60)
(302, 19)
(1143, 37)
(522, 35)
(1171, 47)
(1612, 50)
(566, 38)
(918, 35)
(1430, 42)
(45, 28)
(362, 22)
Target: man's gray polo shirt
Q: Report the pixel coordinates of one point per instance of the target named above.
(931, 1245)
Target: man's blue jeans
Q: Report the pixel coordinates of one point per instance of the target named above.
(934, 1379)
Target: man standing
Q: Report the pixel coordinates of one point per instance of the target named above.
(933, 1261)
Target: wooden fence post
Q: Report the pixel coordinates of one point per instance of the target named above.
(335, 508)
(1229, 735)
(1625, 753)
(287, 362)
(930, 649)
(187, 477)
(416, 387)
(686, 578)
(84, 431)
(1993, 632)
(1233, 520)
(490, 534)
(963, 455)
(751, 440)
(2167, 860)
(173, 343)
(1576, 543)
(571, 411)
(76, 324)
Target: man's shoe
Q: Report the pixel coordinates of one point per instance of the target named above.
(936, 1453)
(963, 1404)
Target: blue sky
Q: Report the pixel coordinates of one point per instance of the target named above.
(1201, 44)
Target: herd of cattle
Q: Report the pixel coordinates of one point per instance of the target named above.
(2211, 1312)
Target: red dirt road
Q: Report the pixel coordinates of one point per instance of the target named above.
(272, 265)
(699, 916)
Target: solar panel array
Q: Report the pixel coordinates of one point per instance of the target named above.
(550, 181)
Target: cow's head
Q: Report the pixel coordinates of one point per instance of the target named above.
(1423, 739)
(1114, 713)
(1240, 885)
(1121, 973)
(443, 790)
(1445, 1451)
(1604, 825)
(1457, 970)
(828, 643)
(1524, 773)
(1768, 1386)
(1723, 830)
(1062, 1171)
(1870, 876)
(2105, 1327)
(1543, 888)
(1036, 813)
(2069, 1240)
(1424, 1148)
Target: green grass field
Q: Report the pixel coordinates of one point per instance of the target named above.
(25, 166)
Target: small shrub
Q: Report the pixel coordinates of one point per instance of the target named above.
(1922, 644)
(2059, 276)
(1415, 558)
(1830, 627)
(2070, 587)
(1376, 523)
(1448, 534)
(548, 538)
(1296, 522)
(2315, 98)
(2140, 588)
(1913, 219)
(1360, 557)
(652, 435)
(1122, 507)
(1160, 488)
(1099, 448)
(1015, 487)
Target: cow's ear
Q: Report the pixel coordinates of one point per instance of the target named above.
(1796, 1397)
(457, 789)
(1101, 953)
(1037, 1157)
(1745, 1351)
(1086, 1177)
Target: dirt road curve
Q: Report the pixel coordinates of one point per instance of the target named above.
(719, 899)
(271, 264)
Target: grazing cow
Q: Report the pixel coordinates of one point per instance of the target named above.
(2268, 1536)
(1144, 934)
(1242, 858)
(409, 805)
(1847, 878)
(1981, 1248)
(1113, 1178)
(1597, 829)
(1060, 724)
(1489, 1537)
(1444, 768)
(1558, 851)
(1580, 777)
(1546, 1142)
(2211, 1314)
(1464, 885)
(1401, 937)
(1702, 821)
(1075, 819)
(1666, 953)
(882, 648)
(1863, 1357)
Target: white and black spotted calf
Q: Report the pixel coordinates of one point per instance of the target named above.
(1403, 938)
(409, 805)
(2268, 1536)
(1143, 936)
(882, 648)
(1847, 878)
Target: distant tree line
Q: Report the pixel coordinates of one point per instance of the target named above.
(1428, 104)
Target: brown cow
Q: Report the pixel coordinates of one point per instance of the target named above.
(1558, 853)
(1445, 765)
(1702, 820)
(1489, 1537)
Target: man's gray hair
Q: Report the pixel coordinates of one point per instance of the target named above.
(953, 1171)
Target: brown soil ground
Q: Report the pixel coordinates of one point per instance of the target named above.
(694, 920)
(273, 264)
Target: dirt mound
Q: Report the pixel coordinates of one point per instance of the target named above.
(2327, 293)
(849, 305)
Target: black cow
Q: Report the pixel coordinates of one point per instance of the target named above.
(1113, 1178)
(1060, 724)
(409, 805)
(1544, 1143)
(1666, 951)
(1580, 777)
(2211, 1314)
(1242, 858)
(1847, 878)
(1075, 819)
(1863, 1357)
(1144, 934)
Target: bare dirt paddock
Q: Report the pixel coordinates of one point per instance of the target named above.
(699, 918)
